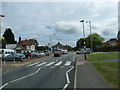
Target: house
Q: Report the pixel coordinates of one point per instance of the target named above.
(27, 45)
(111, 42)
(59, 46)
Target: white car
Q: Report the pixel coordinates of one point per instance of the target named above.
(42, 53)
(64, 51)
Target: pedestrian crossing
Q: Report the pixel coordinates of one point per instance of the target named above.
(52, 64)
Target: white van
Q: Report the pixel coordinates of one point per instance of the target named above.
(6, 52)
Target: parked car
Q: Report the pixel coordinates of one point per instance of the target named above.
(64, 51)
(5, 52)
(78, 52)
(47, 53)
(21, 55)
(83, 51)
(35, 54)
(12, 57)
(42, 53)
(28, 54)
(57, 54)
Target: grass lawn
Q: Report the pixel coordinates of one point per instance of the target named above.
(109, 70)
(103, 56)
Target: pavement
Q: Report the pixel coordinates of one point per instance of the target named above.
(87, 76)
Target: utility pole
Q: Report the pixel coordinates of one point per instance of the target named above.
(84, 39)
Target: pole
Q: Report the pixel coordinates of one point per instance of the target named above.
(91, 36)
(1, 16)
(50, 46)
(84, 39)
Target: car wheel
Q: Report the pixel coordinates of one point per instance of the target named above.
(16, 59)
(3, 59)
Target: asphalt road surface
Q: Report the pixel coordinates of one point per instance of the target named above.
(55, 72)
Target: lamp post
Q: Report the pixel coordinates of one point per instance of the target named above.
(84, 38)
(51, 43)
(1, 16)
(90, 34)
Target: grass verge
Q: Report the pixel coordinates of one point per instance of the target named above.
(103, 56)
(109, 70)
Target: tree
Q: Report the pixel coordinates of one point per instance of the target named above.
(96, 41)
(9, 36)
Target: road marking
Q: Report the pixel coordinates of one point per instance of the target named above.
(49, 64)
(59, 63)
(41, 64)
(3, 86)
(20, 78)
(66, 85)
(38, 70)
(33, 64)
(68, 80)
(67, 63)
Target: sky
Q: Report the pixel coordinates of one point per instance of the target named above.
(40, 20)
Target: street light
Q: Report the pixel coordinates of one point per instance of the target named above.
(90, 33)
(1, 16)
(84, 38)
(51, 43)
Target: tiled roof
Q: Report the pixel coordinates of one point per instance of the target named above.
(27, 42)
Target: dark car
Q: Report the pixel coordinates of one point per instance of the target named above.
(57, 54)
(12, 57)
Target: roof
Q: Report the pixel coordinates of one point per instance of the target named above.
(27, 42)
(110, 42)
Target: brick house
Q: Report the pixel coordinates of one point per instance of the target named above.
(111, 42)
(59, 46)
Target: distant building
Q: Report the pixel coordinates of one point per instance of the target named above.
(59, 46)
(111, 42)
(26, 45)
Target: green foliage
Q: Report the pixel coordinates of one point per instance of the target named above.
(41, 48)
(3, 43)
(96, 41)
(9, 36)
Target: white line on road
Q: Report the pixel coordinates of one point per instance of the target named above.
(20, 78)
(68, 80)
(50, 64)
(67, 63)
(59, 63)
(66, 85)
(3, 86)
(41, 64)
(33, 64)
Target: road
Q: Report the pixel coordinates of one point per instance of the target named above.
(54, 72)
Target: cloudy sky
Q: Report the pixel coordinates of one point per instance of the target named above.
(41, 19)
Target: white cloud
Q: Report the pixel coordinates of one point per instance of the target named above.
(68, 27)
